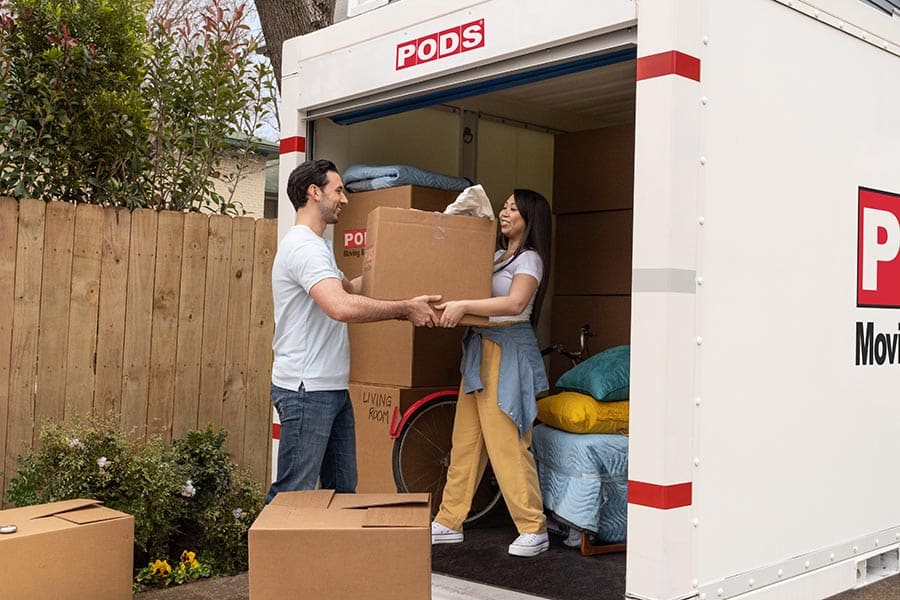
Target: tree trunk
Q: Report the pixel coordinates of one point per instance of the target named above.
(284, 19)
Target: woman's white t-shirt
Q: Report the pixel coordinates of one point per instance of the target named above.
(527, 263)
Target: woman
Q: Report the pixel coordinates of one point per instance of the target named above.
(502, 374)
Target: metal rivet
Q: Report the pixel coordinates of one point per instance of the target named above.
(699, 281)
(831, 558)
(751, 582)
(876, 541)
(699, 341)
(780, 573)
(702, 160)
(720, 592)
(806, 565)
(704, 100)
(695, 583)
(855, 549)
(696, 462)
(697, 401)
(696, 522)
(701, 220)
(705, 40)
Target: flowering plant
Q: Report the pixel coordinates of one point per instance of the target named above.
(159, 572)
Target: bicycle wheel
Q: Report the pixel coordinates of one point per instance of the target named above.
(422, 456)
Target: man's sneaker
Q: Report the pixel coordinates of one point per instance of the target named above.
(444, 535)
(528, 544)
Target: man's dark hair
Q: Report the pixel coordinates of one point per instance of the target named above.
(311, 172)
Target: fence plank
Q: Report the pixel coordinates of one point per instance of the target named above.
(9, 216)
(234, 408)
(161, 404)
(212, 365)
(258, 428)
(139, 321)
(82, 339)
(190, 323)
(111, 319)
(56, 289)
(26, 314)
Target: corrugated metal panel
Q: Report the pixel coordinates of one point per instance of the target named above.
(891, 7)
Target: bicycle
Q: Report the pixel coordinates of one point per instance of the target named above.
(422, 443)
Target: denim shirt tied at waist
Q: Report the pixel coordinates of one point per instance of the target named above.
(522, 376)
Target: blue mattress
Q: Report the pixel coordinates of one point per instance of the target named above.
(584, 479)
(362, 178)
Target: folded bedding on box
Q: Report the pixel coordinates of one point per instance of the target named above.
(584, 479)
(362, 178)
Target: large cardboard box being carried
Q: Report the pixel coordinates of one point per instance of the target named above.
(376, 409)
(350, 230)
(411, 252)
(67, 550)
(318, 545)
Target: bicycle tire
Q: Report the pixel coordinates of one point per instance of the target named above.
(421, 457)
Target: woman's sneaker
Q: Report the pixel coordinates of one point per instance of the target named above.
(444, 535)
(527, 544)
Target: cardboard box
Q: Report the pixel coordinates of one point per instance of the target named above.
(593, 253)
(594, 170)
(410, 253)
(376, 408)
(73, 549)
(608, 316)
(318, 545)
(396, 353)
(350, 230)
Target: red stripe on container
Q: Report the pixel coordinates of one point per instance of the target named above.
(659, 496)
(276, 431)
(292, 144)
(668, 63)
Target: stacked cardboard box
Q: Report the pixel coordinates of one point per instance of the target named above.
(593, 200)
(392, 363)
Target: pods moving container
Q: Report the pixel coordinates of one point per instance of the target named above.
(725, 179)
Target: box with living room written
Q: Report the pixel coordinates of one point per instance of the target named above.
(376, 408)
(411, 252)
(350, 230)
(68, 550)
(319, 545)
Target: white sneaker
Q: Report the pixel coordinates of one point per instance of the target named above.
(529, 544)
(573, 539)
(444, 535)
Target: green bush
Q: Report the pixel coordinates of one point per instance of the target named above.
(184, 496)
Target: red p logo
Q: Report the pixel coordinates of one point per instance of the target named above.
(878, 248)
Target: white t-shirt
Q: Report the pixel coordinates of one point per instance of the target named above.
(527, 263)
(310, 347)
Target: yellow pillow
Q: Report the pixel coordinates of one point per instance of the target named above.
(580, 413)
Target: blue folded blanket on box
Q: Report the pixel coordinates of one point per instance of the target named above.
(362, 178)
(584, 479)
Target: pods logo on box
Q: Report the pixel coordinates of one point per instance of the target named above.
(355, 238)
(878, 248)
(440, 45)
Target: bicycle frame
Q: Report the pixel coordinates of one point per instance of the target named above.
(397, 425)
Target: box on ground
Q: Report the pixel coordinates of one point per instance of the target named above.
(593, 253)
(350, 230)
(397, 353)
(319, 545)
(411, 252)
(608, 316)
(376, 408)
(73, 549)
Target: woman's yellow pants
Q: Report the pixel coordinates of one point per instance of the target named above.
(482, 431)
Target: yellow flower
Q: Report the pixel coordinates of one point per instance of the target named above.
(161, 568)
(188, 557)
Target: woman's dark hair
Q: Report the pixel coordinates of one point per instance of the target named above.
(535, 211)
(311, 172)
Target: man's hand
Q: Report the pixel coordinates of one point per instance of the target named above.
(420, 313)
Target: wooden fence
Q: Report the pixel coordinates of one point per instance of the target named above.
(162, 319)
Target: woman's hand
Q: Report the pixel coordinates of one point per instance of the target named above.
(453, 312)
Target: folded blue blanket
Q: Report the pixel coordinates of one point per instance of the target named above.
(362, 178)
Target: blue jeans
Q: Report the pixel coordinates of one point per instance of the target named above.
(317, 443)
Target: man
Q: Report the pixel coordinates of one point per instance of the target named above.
(311, 371)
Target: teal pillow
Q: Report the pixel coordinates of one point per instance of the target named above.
(604, 376)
